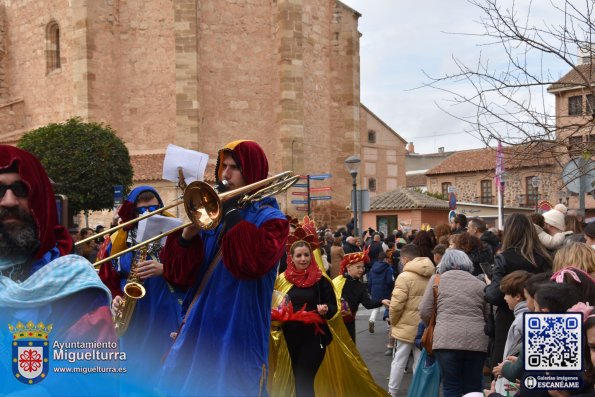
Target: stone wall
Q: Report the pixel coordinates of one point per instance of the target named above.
(383, 158)
(45, 97)
(468, 185)
(198, 74)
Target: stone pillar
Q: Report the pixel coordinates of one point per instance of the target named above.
(290, 112)
(345, 96)
(80, 58)
(186, 14)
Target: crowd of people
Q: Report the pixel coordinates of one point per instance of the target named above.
(485, 280)
(219, 316)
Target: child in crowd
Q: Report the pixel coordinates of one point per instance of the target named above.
(512, 285)
(380, 285)
(438, 252)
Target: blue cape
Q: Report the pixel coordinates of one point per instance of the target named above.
(222, 349)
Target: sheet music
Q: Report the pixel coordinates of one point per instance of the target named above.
(154, 226)
(193, 164)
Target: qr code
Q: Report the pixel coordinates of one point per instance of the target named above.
(552, 342)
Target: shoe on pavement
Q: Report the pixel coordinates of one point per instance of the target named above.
(371, 326)
(388, 352)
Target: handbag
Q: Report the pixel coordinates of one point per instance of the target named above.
(426, 380)
(428, 336)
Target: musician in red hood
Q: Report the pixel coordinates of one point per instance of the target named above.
(40, 282)
(222, 346)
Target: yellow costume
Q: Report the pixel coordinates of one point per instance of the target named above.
(342, 373)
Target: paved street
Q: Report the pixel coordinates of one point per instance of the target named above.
(372, 348)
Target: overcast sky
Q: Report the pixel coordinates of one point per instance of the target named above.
(403, 39)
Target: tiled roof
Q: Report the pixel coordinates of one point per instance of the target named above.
(416, 180)
(400, 199)
(149, 167)
(573, 78)
(519, 156)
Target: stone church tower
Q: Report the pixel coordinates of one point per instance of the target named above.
(195, 73)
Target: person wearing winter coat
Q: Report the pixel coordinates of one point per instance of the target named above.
(459, 343)
(478, 228)
(403, 311)
(553, 234)
(380, 284)
(521, 250)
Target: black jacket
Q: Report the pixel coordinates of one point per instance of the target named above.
(490, 239)
(506, 263)
(375, 250)
(350, 248)
(355, 293)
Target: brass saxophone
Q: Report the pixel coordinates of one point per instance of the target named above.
(133, 291)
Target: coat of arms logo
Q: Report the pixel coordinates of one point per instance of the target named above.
(30, 351)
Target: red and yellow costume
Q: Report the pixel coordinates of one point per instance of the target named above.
(342, 372)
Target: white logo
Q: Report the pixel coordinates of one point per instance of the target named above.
(530, 382)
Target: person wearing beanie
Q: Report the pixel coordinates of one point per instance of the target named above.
(553, 234)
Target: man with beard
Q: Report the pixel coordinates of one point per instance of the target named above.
(41, 284)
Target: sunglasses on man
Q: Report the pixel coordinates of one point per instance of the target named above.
(19, 189)
(147, 208)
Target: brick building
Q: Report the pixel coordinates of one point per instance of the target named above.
(404, 208)
(575, 126)
(472, 173)
(199, 74)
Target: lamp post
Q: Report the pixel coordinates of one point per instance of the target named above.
(352, 164)
(535, 183)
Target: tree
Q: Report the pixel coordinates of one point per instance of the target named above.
(511, 101)
(85, 160)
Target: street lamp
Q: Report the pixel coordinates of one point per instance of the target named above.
(535, 183)
(352, 164)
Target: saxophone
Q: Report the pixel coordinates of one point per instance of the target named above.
(133, 291)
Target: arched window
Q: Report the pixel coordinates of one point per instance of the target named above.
(372, 184)
(371, 136)
(52, 46)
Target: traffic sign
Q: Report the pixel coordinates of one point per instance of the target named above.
(301, 208)
(318, 177)
(299, 201)
(300, 185)
(299, 193)
(118, 195)
(321, 198)
(451, 216)
(320, 189)
(452, 201)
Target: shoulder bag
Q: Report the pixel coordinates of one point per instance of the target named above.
(428, 336)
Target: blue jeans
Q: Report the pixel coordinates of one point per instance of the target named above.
(462, 371)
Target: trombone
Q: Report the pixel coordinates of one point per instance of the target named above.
(204, 206)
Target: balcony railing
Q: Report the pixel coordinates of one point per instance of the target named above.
(527, 200)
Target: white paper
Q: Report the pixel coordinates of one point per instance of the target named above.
(193, 164)
(154, 226)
